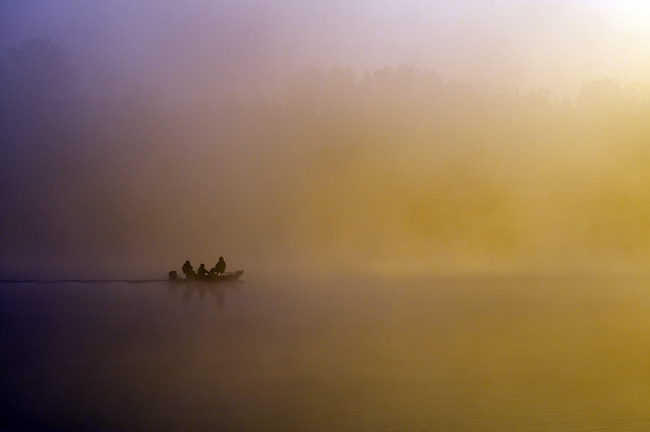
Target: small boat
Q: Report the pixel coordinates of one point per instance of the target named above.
(225, 277)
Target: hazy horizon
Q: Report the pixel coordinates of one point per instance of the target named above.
(356, 137)
(208, 48)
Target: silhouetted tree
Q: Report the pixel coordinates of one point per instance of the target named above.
(39, 74)
(304, 91)
(4, 99)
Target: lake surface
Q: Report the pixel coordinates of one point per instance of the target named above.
(465, 354)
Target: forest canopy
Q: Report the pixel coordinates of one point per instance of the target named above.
(393, 171)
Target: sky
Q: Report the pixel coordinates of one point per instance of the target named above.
(251, 45)
(375, 136)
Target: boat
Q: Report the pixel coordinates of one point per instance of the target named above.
(224, 277)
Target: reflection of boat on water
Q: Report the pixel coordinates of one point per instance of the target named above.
(225, 277)
(214, 286)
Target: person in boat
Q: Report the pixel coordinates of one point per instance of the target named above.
(202, 273)
(220, 266)
(188, 271)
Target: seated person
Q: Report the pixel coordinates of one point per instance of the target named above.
(188, 271)
(220, 266)
(202, 273)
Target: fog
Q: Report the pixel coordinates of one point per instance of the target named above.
(365, 137)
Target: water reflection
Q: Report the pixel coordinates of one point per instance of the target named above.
(201, 290)
(447, 355)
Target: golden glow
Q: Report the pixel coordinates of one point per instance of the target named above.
(515, 139)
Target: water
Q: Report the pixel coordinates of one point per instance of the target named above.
(470, 354)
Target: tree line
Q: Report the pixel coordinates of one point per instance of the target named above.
(340, 169)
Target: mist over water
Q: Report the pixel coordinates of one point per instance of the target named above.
(392, 171)
(291, 139)
(393, 177)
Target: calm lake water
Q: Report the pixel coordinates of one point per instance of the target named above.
(466, 354)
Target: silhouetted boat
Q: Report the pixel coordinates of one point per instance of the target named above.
(226, 277)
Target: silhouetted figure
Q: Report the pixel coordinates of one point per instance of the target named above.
(188, 271)
(202, 273)
(220, 266)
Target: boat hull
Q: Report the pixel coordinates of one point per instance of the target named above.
(229, 277)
